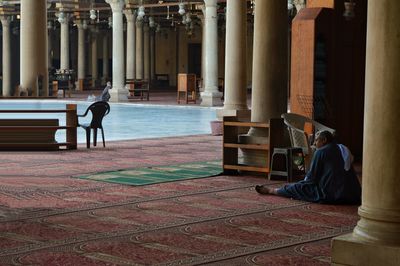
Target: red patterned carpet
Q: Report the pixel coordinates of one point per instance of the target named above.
(49, 218)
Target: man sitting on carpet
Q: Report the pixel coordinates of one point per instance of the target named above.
(331, 178)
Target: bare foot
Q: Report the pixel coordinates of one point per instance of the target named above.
(266, 190)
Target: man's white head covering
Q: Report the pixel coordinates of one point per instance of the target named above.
(347, 156)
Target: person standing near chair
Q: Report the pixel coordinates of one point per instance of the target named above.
(331, 178)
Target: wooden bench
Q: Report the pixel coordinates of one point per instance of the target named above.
(138, 89)
(38, 133)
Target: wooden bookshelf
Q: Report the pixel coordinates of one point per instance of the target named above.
(232, 129)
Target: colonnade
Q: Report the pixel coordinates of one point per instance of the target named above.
(140, 46)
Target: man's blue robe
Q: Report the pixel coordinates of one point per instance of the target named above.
(327, 181)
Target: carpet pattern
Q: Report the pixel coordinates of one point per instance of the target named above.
(158, 174)
(49, 218)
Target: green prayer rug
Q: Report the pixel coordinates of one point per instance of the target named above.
(158, 174)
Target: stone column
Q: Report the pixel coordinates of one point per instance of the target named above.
(146, 51)
(270, 73)
(64, 45)
(105, 57)
(139, 50)
(376, 238)
(118, 92)
(235, 103)
(5, 22)
(93, 45)
(50, 47)
(211, 96)
(203, 48)
(130, 44)
(152, 56)
(33, 45)
(81, 54)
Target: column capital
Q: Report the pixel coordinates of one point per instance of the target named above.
(5, 21)
(65, 19)
(116, 5)
(300, 4)
(130, 15)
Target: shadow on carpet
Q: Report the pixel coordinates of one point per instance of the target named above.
(158, 174)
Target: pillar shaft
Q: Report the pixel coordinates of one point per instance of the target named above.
(5, 21)
(64, 45)
(152, 56)
(139, 50)
(235, 59)
(105, 57)
(118, 92)
(380, 210)
(376, 238)
(146, 52)
(270, 71)
(211, 96)
(130, 44)
(33, 45)
(203, 48)
(81, 50)
(93, 44)
(50, 48)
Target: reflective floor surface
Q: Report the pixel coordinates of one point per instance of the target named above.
(126, 121)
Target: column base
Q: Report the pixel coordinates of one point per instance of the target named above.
(211, 98)
(79, 84)
(242, 115)
(254, 157)
(348, 250)
(118, 95)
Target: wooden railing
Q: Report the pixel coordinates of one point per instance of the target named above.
(37, 133)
